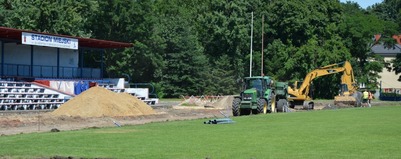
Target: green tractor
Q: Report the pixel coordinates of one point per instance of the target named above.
(260, 95)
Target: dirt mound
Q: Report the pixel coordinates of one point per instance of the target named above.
(338, 106)
(224, 103)
(100, 102)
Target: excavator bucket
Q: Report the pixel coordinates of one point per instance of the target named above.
(345, 101)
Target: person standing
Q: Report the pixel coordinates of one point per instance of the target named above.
(365, 98)
(370, 99)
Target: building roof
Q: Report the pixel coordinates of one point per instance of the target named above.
(386, 51)
(16, 34)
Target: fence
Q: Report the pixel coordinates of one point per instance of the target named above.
(390, 94)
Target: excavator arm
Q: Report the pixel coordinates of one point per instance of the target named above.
(347, 80)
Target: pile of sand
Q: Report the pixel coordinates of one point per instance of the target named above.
(100, 102)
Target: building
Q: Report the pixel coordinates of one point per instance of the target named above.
(43, 71)
(33, 54)
(389, 80)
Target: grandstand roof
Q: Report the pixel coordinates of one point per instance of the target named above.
(16, 34)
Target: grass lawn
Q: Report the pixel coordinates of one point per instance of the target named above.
(342, 133)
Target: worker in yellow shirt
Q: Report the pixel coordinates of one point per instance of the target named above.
(365, 98)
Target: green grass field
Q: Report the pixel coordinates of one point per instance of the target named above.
(342, 133)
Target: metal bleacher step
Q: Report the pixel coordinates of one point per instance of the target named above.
(26, 96)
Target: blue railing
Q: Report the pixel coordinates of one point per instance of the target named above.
(390, 96)
(41, 71)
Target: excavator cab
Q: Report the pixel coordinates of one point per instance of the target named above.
(344, 90)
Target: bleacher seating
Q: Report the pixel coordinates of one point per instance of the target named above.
(111, 87)
(33, 96)
(25, 96)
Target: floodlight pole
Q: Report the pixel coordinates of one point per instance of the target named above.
(250, 60)
(261, 72)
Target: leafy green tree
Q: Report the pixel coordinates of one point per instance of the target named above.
(129, 21)
(216, 78)
(303, 36)
(295, 22)
(278, 61)
(224, 29)
(397, 66)
(4, 6)
(389, 10)
(183, 58)
(60, 17)
(357, 30)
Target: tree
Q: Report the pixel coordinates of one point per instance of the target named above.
(4, 6)
(224, 29)
(183, 58)
(390, 11)
(67, 17)
(396, 67)
(129, 21)
(303, 36)
(357, 29)
(220, 80)
(183, 61)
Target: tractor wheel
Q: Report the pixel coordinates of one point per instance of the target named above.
(235, 107)
(262, 106)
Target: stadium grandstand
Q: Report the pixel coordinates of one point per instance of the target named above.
(43, 71)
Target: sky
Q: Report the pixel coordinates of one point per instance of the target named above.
(364, 3)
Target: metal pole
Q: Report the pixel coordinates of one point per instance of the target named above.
(101, 63)
(250, 60)
(31, 70)
(58, 62)
(38, 122)
(380, 90)
(2, 58)
(261, 72)
(81, 61)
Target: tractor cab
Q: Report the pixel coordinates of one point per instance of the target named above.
(259, 83)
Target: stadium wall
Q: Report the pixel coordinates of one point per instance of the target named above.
(46, 56)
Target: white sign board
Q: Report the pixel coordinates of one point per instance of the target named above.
(49, 41)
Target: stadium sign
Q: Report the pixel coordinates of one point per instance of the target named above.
(49, 41)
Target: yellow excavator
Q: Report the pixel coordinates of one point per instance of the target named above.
(299, 92)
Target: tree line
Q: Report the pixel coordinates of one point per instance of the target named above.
(202, 47)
